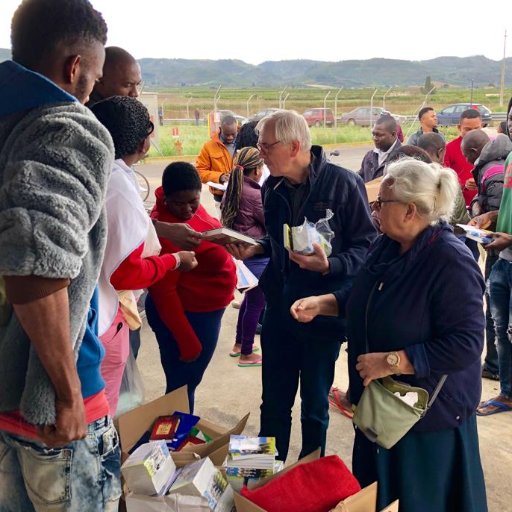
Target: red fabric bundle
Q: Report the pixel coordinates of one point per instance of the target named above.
(316, 486)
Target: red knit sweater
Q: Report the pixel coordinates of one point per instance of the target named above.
(208, 287)
(135, 272)
(454, 159)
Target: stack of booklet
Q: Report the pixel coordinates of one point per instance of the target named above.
(251, 459)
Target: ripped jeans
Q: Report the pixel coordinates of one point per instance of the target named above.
(83, 476)
(500, 293)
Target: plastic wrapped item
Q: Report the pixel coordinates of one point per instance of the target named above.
(300, 239)
(131, 394)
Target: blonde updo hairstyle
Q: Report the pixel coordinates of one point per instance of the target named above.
(431, 187)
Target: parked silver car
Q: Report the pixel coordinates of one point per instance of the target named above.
(366, 116)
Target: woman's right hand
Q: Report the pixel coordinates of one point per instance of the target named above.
(187, 261)
(305, 310)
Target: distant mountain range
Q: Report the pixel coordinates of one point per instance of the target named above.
(349, 73)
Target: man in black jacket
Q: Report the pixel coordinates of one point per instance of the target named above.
(384, 135)
(302, 184)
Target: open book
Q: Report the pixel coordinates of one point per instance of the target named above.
(223, 236)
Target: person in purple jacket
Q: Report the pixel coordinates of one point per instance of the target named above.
(242, 210)
(416, 313)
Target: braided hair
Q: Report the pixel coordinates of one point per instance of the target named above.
(127, 120)
(246, 160)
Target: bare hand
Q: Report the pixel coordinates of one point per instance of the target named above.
(181, 235)
(316, 262)
(500, 241)
(187, 261)
(70, 424)
(373, 366)
(483, 221)
(305, 310)
(471, 184)
(243, 251)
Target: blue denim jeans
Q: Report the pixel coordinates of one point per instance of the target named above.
(500, 292)
(179, 373)
(83, 476)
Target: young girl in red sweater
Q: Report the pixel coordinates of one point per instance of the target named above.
(185, 309)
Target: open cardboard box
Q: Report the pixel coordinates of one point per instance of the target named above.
(363, 501)
(132, 425)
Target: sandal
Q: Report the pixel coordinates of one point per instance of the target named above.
(238, 353)
(247, 363)
(338, 401)
(493, 406)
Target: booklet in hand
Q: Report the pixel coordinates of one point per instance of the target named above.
(482, 236)
(223, 236)
(217, 186)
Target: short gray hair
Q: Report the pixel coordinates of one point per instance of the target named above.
(289, 126)
(430, 187)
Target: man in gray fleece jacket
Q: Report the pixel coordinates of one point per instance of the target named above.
(59, 449)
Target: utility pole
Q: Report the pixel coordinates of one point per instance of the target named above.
(502, 83)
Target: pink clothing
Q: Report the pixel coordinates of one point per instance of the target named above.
(116, 341)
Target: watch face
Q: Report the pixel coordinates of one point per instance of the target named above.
(392, 359)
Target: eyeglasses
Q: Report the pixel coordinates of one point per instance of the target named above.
(379, 202)
(263, 146)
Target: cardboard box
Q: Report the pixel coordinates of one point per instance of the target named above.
(372, 189)
(140, 503)
(148, 469)
(199, 487)
(363, 501)
(132, 425)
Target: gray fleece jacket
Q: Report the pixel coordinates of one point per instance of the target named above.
(55, 159)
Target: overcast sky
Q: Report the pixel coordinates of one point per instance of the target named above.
(330, 30)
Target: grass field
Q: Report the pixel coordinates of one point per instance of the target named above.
(191, 137)
(181, 102)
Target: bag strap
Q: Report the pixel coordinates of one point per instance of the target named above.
(443, 378)
(437, 389)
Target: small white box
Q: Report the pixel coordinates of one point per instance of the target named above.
(149, 468)
(201, 478)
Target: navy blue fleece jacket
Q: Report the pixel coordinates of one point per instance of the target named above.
(429, 303)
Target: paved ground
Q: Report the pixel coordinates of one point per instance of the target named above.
(228, 392)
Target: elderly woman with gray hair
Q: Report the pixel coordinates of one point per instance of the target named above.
(416, 311)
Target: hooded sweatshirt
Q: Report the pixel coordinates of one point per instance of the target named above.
(55, 159)
(488, 174)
